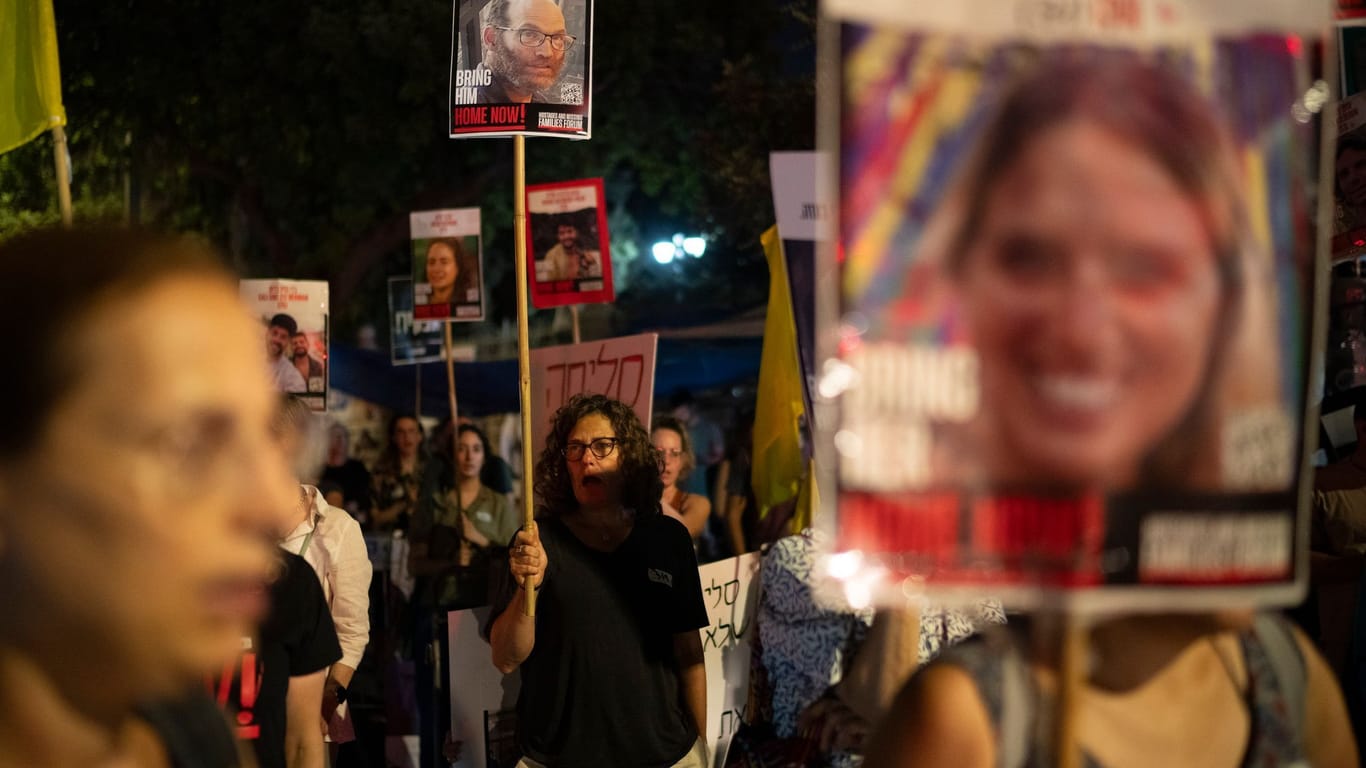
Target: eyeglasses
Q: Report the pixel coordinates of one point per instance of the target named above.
(671, 455)
(533, 38)
(602, 448)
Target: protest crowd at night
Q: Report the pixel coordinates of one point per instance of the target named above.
(578, 384)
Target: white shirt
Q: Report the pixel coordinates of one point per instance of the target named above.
(286, 377)
(338, 555)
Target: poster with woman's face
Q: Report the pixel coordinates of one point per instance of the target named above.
(293, 315)
(569, 253)
(448, 266)
(1066, 348)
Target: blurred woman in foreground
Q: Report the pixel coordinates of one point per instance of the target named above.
(139, 493)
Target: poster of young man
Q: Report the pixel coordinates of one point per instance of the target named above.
(293, 316)
(521, 66)
(569, 253)
(448, 265)
(410, 341)
(1034, 387)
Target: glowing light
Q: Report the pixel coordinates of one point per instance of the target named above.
(663, 252)
(843, 565)
(694, 246)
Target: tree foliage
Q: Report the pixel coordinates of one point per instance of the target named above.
(299, 135)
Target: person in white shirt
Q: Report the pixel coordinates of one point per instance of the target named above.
(279, 332)
(331, 541)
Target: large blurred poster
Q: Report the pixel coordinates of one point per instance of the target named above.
(571, 258)
(1076, 262)
(448, 265)
(521, 66)
(293, 315)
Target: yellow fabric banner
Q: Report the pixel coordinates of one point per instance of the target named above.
(779, 473)
(30, 80)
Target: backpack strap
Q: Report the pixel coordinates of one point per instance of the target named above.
(1015, 725)
(1274, 635)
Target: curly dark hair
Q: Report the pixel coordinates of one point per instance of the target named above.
(639, 461)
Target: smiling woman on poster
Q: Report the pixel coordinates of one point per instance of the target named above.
(1110, 353)
(447, 272)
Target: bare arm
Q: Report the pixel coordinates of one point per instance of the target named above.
(696, 509)
(692, 677)
(1328, 739)
(938, 719)
(513, 634)
(303, 732)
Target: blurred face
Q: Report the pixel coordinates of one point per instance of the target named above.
(526, 68)
(299, 345)
(441, 267)
(469, 454)
(596, 481)
(670, 444)
(141, 523)
(568, 237)
(1092, 295)
(407, 437)
(277, 341)
(1351, 177)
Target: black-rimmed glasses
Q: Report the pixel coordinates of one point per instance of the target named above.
(532, 38)
(602, 448)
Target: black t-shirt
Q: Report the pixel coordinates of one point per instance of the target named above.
(354, 480)
(601, 686)
(296, 638)
(192, 729)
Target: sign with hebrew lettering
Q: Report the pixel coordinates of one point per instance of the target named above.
(730, 589)
(621, 368)
(1032, 386)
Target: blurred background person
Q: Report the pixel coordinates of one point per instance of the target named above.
(461, 529)
(348, 473)
(139, 487)
(397, 476)
(330, 540)
(670, 438)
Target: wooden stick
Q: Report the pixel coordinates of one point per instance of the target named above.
(417, 393)
(1075, 640)
(523, 344)
(63, 173)
(574, 315)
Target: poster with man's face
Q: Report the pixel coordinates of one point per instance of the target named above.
(293, 316)
(1063, 345)
(568, 250)
(448, 265)
(521, 67)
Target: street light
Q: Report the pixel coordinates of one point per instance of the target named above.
(665, 251)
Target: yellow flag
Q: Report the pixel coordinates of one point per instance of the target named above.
(779, 472)
(30, 81)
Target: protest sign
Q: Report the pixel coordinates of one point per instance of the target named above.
(570, 252)
(293, 316)
(1033, 387)
(448, 268)
(410, 341)
(621, 368)
(521, 68)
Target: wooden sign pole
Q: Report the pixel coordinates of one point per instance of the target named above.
(523, 345)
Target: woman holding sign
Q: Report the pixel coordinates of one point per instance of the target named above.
(611, 664)
(1109, 286)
